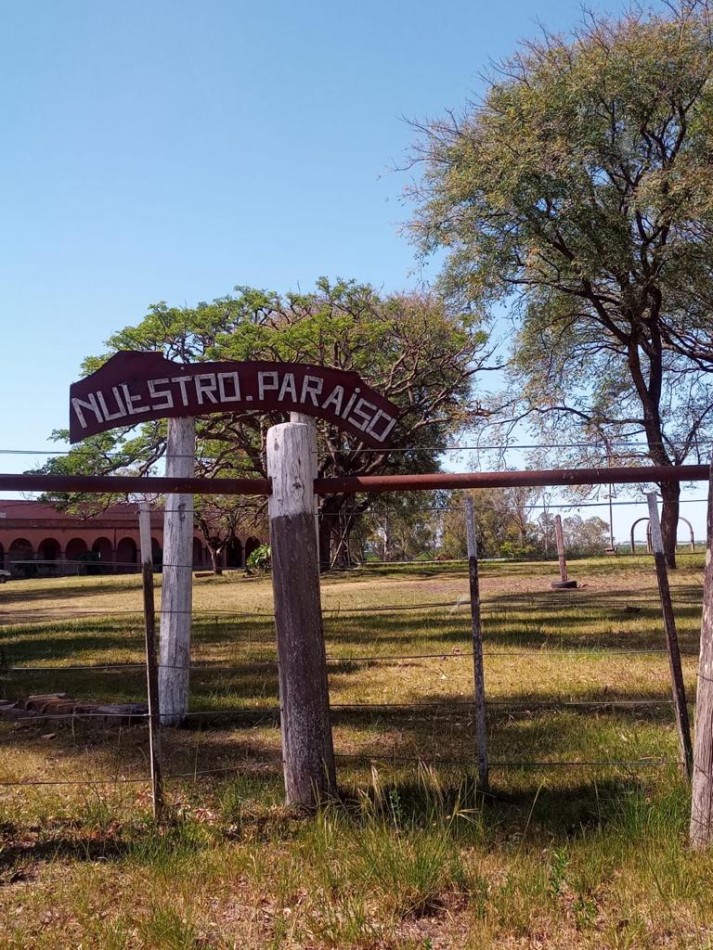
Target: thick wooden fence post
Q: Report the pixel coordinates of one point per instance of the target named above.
(311, 423)
(701, 831)
(151, 664)
(177, 590)
(481, 726)
(674, 654)
(307, 750)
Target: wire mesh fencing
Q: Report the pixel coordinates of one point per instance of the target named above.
(573, 682)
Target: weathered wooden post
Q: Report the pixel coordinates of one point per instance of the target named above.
(177, 589)
(307, 750)
(481, 727)
(701, 830)
(151, 665)
(311, 423)
(559, 535)
(674, 654)
(564, 583)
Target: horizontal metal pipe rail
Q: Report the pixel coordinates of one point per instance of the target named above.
(527, 479)
(371, 484)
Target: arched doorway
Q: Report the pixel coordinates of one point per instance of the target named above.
(127, 555)
(75, 554)
(21, 556)
(234, 554)
(250, 545)
(198, 560)
(2, 556)
(104, 552)
(48, 553)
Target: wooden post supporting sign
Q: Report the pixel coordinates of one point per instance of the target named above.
(307, 750)
(674, 654)
(701, 830)
(176, 598)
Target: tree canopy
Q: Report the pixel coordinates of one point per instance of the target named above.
(579, 191)
(407, 346)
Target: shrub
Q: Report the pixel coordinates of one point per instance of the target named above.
(260, 558)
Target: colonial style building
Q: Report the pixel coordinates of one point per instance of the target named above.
(36, 539)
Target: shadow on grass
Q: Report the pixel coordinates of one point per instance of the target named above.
(578, 620)
(16, 859)
(25, 595)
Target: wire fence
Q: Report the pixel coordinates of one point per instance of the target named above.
(455, 707)
(260, 706)
(386, 545)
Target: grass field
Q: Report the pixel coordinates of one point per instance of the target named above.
(579, 842)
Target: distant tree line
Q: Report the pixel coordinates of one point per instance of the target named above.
(510, 523)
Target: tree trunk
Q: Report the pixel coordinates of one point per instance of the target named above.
(325, 538)
(215, 560)
(328, 527)
(670, 493)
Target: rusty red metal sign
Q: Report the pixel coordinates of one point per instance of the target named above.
(134, 387)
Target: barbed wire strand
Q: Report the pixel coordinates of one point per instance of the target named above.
(601, 653)
(650, 762)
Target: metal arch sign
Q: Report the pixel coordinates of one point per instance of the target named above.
(134, 387)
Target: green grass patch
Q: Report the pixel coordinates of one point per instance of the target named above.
(580, 841)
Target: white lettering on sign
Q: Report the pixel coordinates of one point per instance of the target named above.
(131, 401)
(263, 386)
(288, 386)
(231, 378)
(361, 417)
(89, 403)
(312, 386)
(389, 423)
(166, 394)
(182, 380)
(120, 408)
(125, 402)
(351, 403)
(206, 385)
(334, 399)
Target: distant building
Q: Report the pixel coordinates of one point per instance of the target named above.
(37, 540)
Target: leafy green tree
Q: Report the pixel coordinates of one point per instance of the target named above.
(503, 524)
(585, 537)
(220, 519)
(579, 191)
(407, 346)
(400, 527)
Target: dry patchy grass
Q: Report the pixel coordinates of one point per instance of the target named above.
(412, 856)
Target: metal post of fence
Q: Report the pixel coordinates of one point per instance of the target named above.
(701, 830)
(481, 728)
(674, 655)
(151, 664)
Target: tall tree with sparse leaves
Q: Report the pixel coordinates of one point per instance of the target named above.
(579, 191)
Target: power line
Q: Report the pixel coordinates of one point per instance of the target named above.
(633, 440)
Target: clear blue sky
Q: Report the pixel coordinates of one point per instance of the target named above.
(171, 149)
